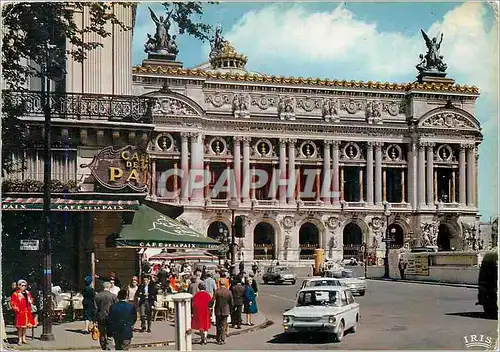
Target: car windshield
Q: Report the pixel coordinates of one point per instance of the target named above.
(347, 274)
(324, 283)
(284, 270)
(318, 298)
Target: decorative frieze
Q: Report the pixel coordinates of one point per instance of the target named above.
(447, 120)
(171, 106)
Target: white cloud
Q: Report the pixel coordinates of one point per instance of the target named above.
(322, 38)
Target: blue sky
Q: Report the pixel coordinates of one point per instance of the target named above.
(360, 41)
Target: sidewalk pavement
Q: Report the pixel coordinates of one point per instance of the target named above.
(425, 282)
(68, 336)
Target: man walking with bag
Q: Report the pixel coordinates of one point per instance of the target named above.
(104, 300)
(238, 291)
(122, 317)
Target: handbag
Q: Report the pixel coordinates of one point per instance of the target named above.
(95, 333)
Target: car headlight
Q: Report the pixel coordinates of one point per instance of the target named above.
(286, 320)
(331, 319)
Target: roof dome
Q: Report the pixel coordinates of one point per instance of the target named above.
(228, 58)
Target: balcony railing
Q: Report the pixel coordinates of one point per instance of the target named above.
(78, 106)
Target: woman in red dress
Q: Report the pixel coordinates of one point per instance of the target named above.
(201, 312)
(21, 302)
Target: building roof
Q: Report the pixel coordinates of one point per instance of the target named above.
(258, 78)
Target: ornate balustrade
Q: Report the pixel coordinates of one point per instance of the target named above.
(78, 106)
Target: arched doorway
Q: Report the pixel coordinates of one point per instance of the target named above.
(308, 240)
(264, 242)
(397, 235)
(353, 240)
(218, 231)
(444, 238)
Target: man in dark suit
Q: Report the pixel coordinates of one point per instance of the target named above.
(238, 291)
(146, 297)
(223, 306)
(104, 300)
(122, 317)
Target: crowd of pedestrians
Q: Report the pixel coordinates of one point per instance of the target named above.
(218, 299)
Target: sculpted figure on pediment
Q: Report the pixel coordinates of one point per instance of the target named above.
(170, 106)
(331, 110)
(241, 102)
(374, 112)
(286, 108)
(447, 120)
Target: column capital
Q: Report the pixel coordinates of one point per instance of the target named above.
(336, 144)
(327, 142)
(237, 139)
(292, 141)
(283, 142)
(426, 144)
(464, 146)
(370, 144)
(184, 136)
(246, 140)
(378, 145)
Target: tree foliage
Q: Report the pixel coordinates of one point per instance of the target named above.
(40, 33)
(182, 12)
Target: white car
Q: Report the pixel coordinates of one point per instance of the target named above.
(355, 284)
(329, 309)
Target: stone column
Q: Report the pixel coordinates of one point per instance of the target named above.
(471, 173)
(153, 178)
(327, 174)
(184, 168)
(207, 185)
(453, 187)
(384, 184)
(237, 167)
(197, 169)
(335, 173)
(369, 173)
(175, 181)
(318, 185)
(378, 173)
(435, 186)
(412, 175)
(253, 190)
(462, 196)
(291, 171)
(282, 172)
(361, 195)
(403, 186)
(342, 183)
(421, 175)
(230, 182)
(245, 189)
(298, 188)
(430, 175)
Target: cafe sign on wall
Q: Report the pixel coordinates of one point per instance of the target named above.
(118, 169)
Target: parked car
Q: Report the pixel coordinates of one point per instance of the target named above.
(356, 284)
(320, 282)
(487, 294)
(279, 274)
(329, 309)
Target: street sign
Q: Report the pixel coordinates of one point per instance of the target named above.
(30, 245)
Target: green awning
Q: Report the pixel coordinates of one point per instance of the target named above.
(62, 204)
(152, 229)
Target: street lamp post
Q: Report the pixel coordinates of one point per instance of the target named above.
(233, 205)
(365, 257)
(387, 213)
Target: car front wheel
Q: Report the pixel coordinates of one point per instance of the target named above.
(340, 333)
(265, 281)
(355, 327)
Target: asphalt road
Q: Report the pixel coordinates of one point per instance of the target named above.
(394, 315)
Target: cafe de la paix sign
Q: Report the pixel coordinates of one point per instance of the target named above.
(120, 168)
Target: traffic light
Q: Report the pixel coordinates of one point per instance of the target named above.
(239, 226)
